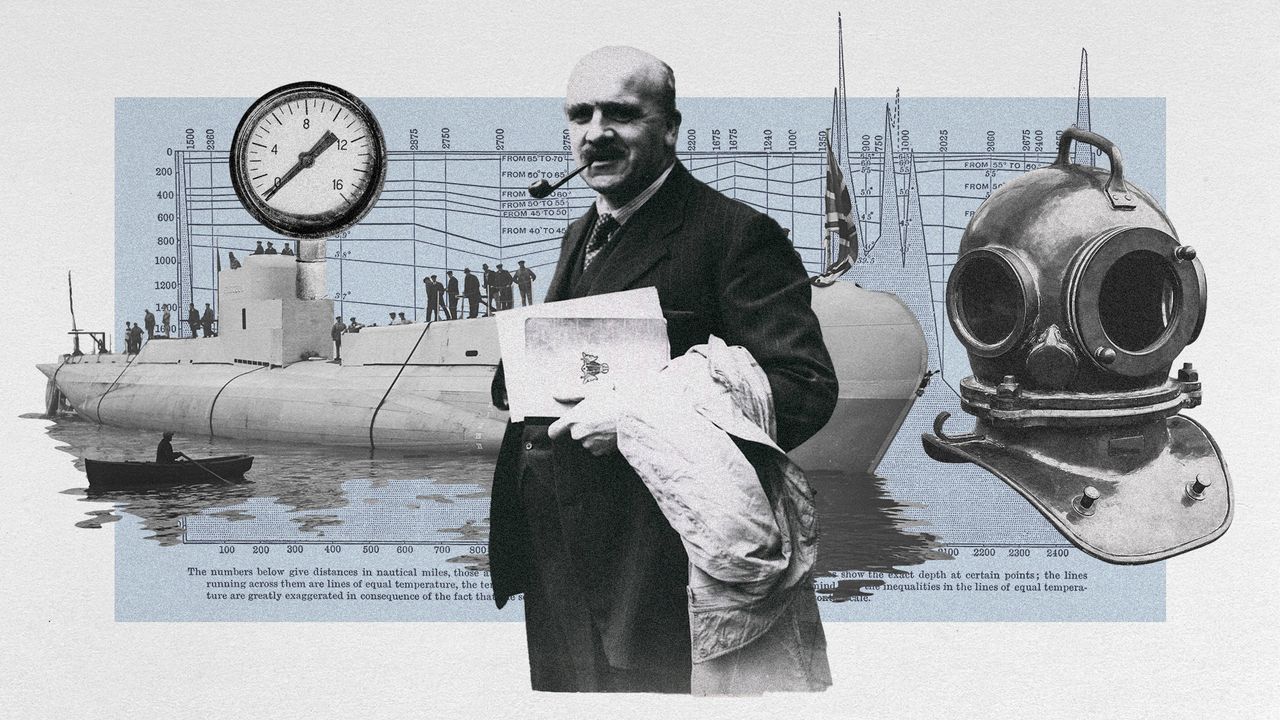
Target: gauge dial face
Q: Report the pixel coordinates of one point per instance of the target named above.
(308, 160)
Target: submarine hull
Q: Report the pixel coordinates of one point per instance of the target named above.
(425, 388)
(880, 357)
(425, 408)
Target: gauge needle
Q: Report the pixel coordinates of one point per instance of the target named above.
(305, 160)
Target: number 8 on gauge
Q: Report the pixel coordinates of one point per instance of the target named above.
(308, 160)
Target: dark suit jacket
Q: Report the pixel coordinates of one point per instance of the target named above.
(720, 268)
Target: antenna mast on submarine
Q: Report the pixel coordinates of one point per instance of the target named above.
(75, 329)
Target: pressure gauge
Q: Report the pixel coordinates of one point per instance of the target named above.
(308, 160)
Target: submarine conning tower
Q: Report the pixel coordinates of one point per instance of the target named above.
(272, 308)
(271, 311)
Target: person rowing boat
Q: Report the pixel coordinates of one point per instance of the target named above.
(165, 454)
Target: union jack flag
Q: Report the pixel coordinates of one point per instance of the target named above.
(840, 212)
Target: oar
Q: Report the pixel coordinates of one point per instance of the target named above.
(192, 460)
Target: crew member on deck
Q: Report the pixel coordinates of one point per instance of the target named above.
(432, 289)
(471, 291)
(451, 291)
(206, 321)
(524, 278)
(135, 338)
(339, 327)
(502, 282)
(489, 279)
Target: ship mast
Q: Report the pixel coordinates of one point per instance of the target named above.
(1084, 154)
(840, 221)
(75, 329)
(838, 136)
(832, 145)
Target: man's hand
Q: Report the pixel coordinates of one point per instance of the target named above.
(593, 421)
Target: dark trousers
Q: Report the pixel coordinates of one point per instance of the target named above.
(526, 295)
(605, 603)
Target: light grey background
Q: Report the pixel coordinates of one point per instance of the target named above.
(63, 66)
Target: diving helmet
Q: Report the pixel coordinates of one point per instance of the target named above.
(1073, 297)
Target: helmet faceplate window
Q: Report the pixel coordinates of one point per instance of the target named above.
(1138, 300)
(992, 300)
(1131, 293)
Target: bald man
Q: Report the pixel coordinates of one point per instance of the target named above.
(572, 526)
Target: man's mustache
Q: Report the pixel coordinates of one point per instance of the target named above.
(596, 153)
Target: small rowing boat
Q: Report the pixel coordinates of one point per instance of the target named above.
(107, 475)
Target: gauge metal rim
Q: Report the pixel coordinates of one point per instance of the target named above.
(324, 224)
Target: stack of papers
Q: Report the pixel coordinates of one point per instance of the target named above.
(570, 347)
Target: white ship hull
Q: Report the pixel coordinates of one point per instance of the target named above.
(420, 405)
(419, 388)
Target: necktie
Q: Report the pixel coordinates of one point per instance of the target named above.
(600, 234)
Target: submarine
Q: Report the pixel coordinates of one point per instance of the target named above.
(424, 388)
